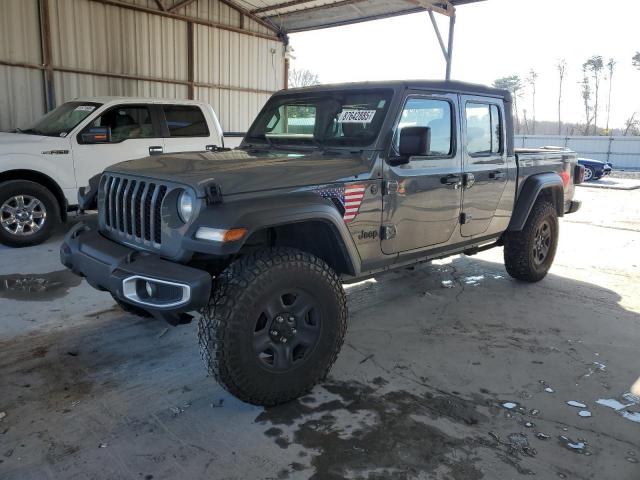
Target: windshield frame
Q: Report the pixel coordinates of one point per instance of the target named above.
(61, 109)
(251, 140)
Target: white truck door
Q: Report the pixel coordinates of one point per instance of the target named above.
(134, 132)
(190, 129)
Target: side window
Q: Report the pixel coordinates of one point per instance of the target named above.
(496, 130)
(185, 121)
(435, 114)
(126, 122)
(484, 129)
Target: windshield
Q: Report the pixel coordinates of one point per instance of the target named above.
(59, 122)
(347, 118)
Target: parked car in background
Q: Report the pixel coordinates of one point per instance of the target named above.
(594, 169)
(41, 167)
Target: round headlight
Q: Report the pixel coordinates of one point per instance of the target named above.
(185, 206)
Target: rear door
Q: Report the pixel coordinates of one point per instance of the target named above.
(485, 162)
(422, 200)
(186, 129)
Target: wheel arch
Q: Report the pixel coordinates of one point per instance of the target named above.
(304, 221)
(542, 186)
(42, 179)
(316, 236)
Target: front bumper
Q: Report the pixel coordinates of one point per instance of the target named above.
(165, 289)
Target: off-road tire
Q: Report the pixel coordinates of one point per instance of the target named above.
(519, 246)
(12, 188)
(227, 323)
(132, 309)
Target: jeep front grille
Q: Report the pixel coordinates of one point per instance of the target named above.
(131, 208)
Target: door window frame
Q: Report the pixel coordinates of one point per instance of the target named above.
(453, 115)
(153, 113)
(489, 103)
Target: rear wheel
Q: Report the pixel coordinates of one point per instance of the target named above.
(529, 253)
(274, 325)
(29, 213)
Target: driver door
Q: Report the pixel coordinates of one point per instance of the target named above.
(421, 204)
(135, 133)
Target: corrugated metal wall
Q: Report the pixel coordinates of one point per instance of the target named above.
(21, 92)
(623, 152)
(235, 72)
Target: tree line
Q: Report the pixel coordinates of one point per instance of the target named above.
(594, 72)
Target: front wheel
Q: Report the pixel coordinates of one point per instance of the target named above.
(29, 213)
(274, 325)
(529, 253)
(589, 174)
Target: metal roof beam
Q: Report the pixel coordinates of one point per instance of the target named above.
(437, 30)
(327, 6)
(198, 21)
(180, 4)
(249, 14)
(445, 7)
(278, 6)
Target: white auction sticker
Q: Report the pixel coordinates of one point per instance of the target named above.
(85, 108)
(356, 116)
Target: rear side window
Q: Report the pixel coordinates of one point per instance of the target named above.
(484, 129)
(185, 121)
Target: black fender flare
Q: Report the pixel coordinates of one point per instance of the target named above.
(257, 214)
(531, 189)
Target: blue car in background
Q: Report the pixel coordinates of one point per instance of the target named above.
(594, 169)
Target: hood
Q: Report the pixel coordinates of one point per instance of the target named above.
(592, 161)
(24, 143)
(241, 171)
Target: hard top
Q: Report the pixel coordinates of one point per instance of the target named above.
(449, 86)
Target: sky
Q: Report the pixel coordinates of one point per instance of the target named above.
(493, 39)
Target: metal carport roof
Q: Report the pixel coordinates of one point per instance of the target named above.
(292, 16)
(301, 15)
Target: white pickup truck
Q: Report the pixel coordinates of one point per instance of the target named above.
(42, 167)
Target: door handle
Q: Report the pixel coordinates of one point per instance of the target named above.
(496, 175)
(469, 180)
(451, 180)
(155, 150)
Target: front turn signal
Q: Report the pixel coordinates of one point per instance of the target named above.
(220, 235)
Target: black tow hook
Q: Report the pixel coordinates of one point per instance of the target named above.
(173, 319)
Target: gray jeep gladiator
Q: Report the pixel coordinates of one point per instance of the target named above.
(331, 184)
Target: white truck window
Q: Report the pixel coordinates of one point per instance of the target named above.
(127, 121)
(185, 121)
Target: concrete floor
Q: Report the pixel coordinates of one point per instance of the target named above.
(420, 390)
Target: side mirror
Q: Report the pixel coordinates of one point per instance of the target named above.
(96, 135)
(415, 141)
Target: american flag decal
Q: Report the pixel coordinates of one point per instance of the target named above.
(349, 196)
